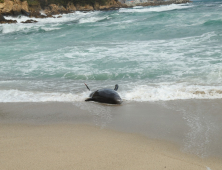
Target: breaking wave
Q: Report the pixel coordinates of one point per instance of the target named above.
(53, 23)
(157, 9)
(142, 93)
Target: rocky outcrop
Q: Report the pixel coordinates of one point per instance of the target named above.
(84, 8)
(181, 1)
(7, 10)
(5, 21)
(2, 5)
(54, 9)
(25, 8)
(15, 7)
(2, 18)
(112, 4)
(96, 6)
(18, 7)
(71, 7)
(34, 10)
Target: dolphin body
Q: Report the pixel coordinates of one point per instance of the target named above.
(105, 95)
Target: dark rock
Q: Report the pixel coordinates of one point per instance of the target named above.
(8, 22)
(41, 16)
(2, 18)
(59, 16)
(5, 21)
(35, 10)
(25, 12)
(29, 21)
(50, 16)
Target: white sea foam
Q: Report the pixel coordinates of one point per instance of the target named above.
(41, 24)
(137, 7)
(42, 13)
(156, 9)
(91, 19)
(140, 93)
(49, 29)
(28, 96)
(172, 92)
(8, 28)
(64, 18)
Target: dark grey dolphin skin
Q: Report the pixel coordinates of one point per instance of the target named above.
(109, 96)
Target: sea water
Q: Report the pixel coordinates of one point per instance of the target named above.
(156, 53)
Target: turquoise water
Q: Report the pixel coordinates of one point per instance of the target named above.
(153, 53)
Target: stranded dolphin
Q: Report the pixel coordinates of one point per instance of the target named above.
(109, 96)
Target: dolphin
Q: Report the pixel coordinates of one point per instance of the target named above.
(105, 95)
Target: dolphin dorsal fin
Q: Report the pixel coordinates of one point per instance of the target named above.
(116, 87)
(87, 86)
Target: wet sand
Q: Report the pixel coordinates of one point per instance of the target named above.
(80, 135)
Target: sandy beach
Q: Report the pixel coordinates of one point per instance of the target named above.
(95, 136)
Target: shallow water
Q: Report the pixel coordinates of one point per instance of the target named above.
(153, 53)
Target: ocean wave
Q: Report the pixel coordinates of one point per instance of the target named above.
(91, 19)
(137, 7)
(141, 93)
(65, 17)
(213, 23)
(156, 9)
(172, 92)
(51, 23)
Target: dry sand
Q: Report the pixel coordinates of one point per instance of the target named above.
(86, 147)
(134, 136)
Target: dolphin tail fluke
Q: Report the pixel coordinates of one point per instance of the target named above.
(87, 86)
(116, 87)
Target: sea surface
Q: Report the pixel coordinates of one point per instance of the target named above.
(156, 53)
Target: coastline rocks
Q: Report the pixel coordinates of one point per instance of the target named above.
(54, 9)
(84, 8)
(25, 8)
(122, 5)
(112, 4)
(2, 18)
(96, 6)
(2, 5)
(8, 21)
(15, 7)
(7, 8)
(182, 1)
(71, 7)
(35, 10)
